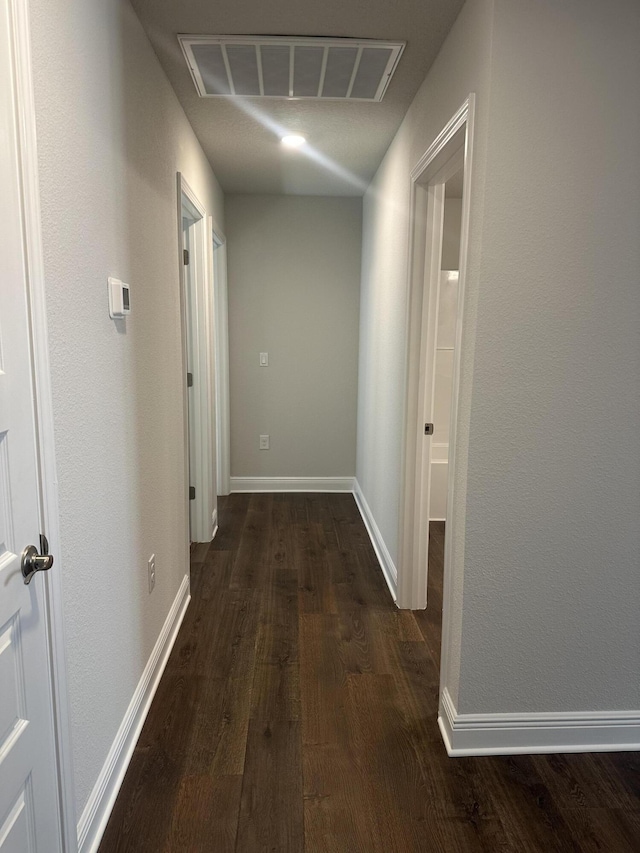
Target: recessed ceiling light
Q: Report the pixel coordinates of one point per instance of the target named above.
(293, 140)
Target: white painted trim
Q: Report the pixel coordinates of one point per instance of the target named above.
(185, 391)
(453, 567)
(425, 236)
(442, 139)
(202, 396)
(96, 813)
(382, 552)
(291, 484)
(414, 586)
(513, 734)
(451, 149)
(221, 327)
(52, 582)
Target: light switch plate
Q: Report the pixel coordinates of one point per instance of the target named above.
(264, 359)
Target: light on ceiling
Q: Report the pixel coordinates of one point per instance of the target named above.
(293, 140)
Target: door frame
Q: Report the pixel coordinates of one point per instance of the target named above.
(203, 397)
(53, 609)
(428, 176)
(221, 327)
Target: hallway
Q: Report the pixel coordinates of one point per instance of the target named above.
(298, 713)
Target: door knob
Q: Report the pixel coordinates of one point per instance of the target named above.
(33, 562)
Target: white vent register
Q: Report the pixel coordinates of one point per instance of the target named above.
(278, 67)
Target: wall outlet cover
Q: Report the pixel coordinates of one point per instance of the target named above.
(264, 442)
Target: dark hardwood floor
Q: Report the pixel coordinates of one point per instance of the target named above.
(298, 713)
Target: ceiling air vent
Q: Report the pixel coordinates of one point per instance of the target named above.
(274, 67)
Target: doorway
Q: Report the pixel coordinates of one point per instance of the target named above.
(439, 224)
(221, 332)
(198, 355)
(445, 347)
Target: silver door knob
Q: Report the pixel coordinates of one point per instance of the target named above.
(33, 562)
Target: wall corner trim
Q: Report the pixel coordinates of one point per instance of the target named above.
(513, 734)
(96, 813)
(291, 484)
(382, 552)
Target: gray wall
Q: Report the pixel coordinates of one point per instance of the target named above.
(463, 66)
(111, 138)
(552, 564)
(547, 499)
(294, 285)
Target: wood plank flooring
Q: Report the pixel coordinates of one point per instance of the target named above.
(297, 714)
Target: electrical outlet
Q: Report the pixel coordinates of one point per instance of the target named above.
(151, 572)
(264, 442)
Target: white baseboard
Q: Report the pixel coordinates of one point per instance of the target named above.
(382, 553)
(214, 523)
(291, 484)
(512, 734)
(96, 813)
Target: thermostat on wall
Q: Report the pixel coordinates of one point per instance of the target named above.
(119, 298)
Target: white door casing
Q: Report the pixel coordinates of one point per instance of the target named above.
(221, 331)
(198, 352)
(439, 162)
(191, 330)
(30, 817)
(448, 151)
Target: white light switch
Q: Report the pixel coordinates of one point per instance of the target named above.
(264, 442)
(264, 359)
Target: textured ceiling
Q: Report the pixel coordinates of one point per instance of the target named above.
(346, 141)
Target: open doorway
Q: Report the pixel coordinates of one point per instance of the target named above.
(445, 347)
(198, 355)
(442, 385)
(438, 260)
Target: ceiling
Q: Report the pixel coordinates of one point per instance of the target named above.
(345, 140)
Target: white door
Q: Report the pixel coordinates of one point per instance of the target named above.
(29, 813)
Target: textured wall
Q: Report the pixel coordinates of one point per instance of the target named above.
(461, 68)
(552, 569)
(111, 139)
(294, 287)
(547, 538)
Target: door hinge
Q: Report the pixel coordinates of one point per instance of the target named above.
(189, 380)
(185, 257)
(428, 429)
(192, 493)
